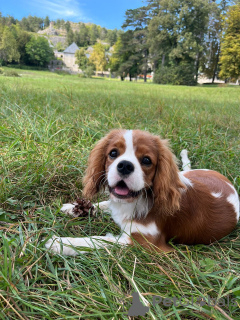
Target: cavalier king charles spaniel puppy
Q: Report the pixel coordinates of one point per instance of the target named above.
(150, 199)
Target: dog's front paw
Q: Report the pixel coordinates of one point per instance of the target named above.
(67, 208)
(56, 244)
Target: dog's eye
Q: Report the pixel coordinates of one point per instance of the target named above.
(113, 154)
(146, 161)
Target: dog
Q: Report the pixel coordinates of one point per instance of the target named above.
(150, 199)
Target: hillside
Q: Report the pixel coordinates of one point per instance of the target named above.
(60, 35)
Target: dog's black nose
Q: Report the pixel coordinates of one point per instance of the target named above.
(125, 167)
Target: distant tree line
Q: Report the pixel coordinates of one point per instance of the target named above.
(23, 47)
(18, 44)
(88, 34)
(178, 39)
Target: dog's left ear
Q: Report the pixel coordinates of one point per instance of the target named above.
(95, 177)
(166, 183)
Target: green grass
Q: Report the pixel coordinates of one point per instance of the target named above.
(48, 125)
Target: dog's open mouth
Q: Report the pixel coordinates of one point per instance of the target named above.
(122, 191)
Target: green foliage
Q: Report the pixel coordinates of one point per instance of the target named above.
(83, 36)
(62, 72)
(46, 22)
(8, 46)
(11, 73)
(112, 36)
(89, 71)
(22, 38)
(70, 36)
(125, 58)
(59, 23)
(67, 26)
(136, 55)
(98, 57)
(31, 23)
(182, 74)
(93, 34)
(39, 52)
(81, 59)
(60, 47)
(230, 47)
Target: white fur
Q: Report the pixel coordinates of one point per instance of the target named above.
(185, 180)
(135, 181)
(234, 200)
(67, 208)
(139, 208)
(216, 194)
(68, 246)
(135, 227)
(122, 214)
(104, 205)
(186, 164)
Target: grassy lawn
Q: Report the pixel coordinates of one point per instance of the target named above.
(48, 125)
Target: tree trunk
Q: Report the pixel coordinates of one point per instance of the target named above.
(163, 60)
(130, 77)
(145, 75)
(215, 67)
(197, 67)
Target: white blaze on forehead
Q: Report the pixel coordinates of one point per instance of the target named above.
(129, 142)
(135, 181)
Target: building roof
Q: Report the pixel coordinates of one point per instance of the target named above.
(90, 49)
(72, 48)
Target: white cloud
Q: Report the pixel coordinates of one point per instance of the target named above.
(60, 9)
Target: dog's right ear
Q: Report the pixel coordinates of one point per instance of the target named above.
(95, 176)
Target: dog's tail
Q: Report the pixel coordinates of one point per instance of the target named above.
(186, 164)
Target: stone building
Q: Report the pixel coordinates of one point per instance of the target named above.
(68, 58)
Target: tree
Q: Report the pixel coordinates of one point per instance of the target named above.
(97, 57)
(46, 22)
(93, 34)
(70, 36)
(116, 58)
(8, 46)
(59, 23)
(230, 46)
(210, 60)
(39, 52)
(22, 38)
(112, 36)
(177, 30)
(125, 60)
(67, 26)
(138, 19)
(83, 35)
(81, 59)
(31, 23)
(60, 47)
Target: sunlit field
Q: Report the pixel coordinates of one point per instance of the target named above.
(48, 125)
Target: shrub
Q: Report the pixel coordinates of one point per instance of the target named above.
(182, 74)
(1, 71)
(81, 75)
(10, 73)
(24, 67)
(62, 72)
(89, 71)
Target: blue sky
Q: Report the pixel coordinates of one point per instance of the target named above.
(107, 13)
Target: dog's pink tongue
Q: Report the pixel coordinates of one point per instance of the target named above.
(121, 191)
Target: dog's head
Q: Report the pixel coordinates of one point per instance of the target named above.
(134, 163)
